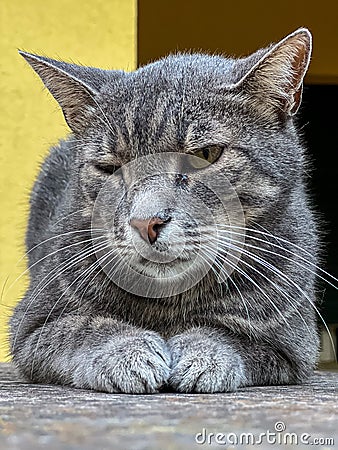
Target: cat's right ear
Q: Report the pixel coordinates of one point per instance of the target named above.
(275, 82)
(74, 87)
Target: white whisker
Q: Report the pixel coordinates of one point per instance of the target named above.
(275, 270)
(55, 272)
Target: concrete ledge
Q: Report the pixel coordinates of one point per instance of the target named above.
(53, 417)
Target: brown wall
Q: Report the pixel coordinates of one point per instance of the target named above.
(238, 28)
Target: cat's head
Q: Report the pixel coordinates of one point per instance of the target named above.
(197, 145)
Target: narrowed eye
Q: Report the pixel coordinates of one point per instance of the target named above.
(107, 169)
(205, 156)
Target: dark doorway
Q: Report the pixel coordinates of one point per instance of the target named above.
(319, 121)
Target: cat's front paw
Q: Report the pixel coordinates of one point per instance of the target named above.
(204, 365)
(130, 364)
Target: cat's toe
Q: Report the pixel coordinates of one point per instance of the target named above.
(206, 374)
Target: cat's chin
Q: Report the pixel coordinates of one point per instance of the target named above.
(164, 270)
(154, 280)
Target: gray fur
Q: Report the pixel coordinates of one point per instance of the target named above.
(94, 334)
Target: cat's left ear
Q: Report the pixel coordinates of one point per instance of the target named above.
(74, 87)
(276, 80)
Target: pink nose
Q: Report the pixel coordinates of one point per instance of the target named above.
(148, 228)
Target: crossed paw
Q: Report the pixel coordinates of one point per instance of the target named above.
(146, 363)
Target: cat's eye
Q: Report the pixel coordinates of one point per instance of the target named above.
(205, 156)
(107, 169)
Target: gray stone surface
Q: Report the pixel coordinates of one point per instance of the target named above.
(54, 417)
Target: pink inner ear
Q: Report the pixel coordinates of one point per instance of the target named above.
(299, 64)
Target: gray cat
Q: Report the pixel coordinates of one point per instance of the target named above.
(145, 274)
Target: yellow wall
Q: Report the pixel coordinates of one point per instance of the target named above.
(100, 33)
